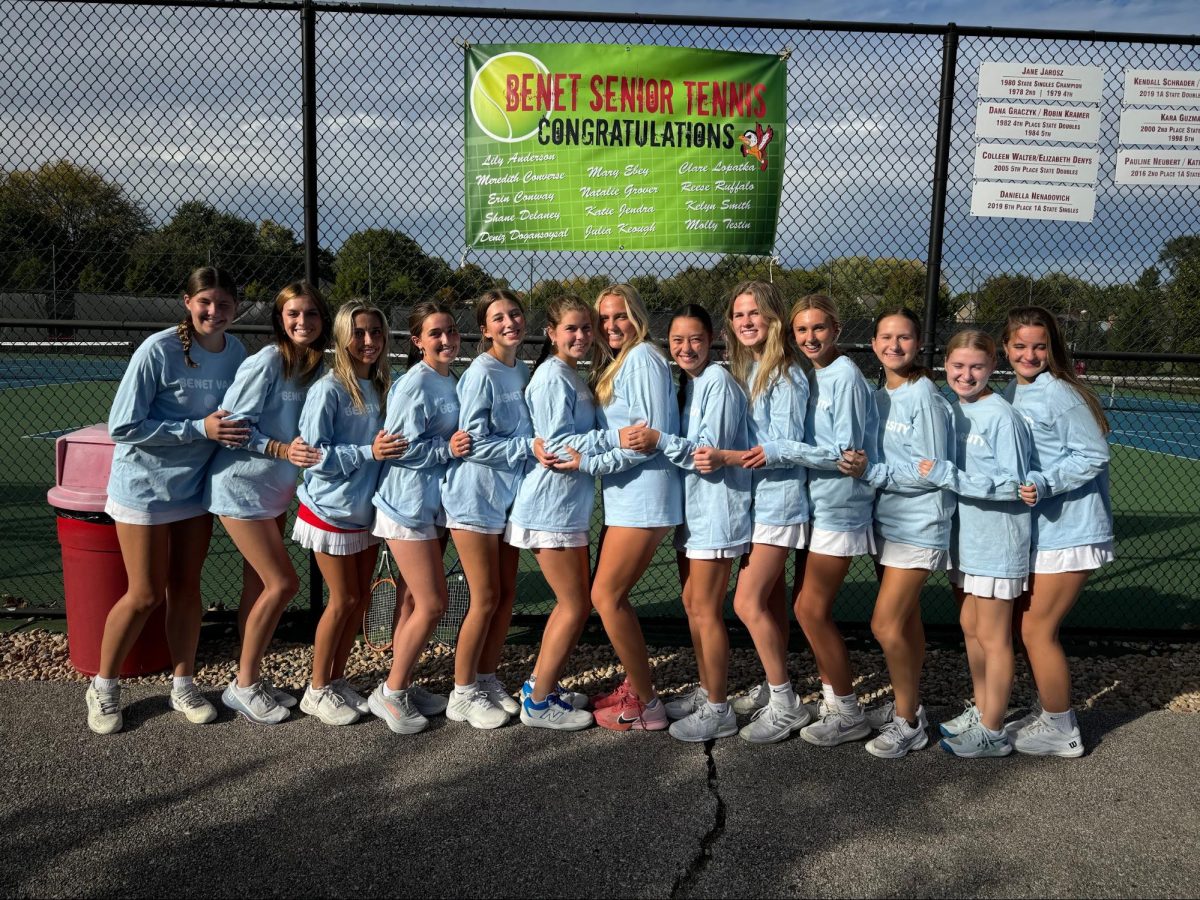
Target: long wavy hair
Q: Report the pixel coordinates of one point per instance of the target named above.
(203, 279)
(778, 349)
(640, 317)
(302, 364)
(380, 372)
(1058, 360)
(555, 310)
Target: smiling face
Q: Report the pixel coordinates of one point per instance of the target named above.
(816, 336)
(368, 339)
(968, 371)
(1028, 351)
(689, 342)
(211, 311)
(749, 325)
(615, 325)
(572, 337)
(504, 324)
(301, 321)
(438, 341)
(896, 344)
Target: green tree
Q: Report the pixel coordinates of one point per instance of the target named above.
(198, 234)
(1181, 259)
(387, 267)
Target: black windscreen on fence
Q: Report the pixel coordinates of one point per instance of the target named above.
(144, 140)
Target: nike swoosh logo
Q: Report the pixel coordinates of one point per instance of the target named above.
(624, 721)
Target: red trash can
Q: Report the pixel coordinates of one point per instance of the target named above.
(93, 571)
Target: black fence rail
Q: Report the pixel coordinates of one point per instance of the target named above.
(317, 139)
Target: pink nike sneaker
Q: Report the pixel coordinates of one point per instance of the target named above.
(631, 713)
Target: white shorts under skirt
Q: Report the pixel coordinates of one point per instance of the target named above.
(794, 537)
(680, 544)
(896, 555)
(988, 587)
(390, 530)
(128, 516)
(531, 539)
(454, 525)
(333, 543)
(1084, 558)
(842, 543)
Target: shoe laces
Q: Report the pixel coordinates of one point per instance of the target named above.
(892, 732)
(261, 692)
(189, 696)
(480, 698)
(108, 701)
(327, 694)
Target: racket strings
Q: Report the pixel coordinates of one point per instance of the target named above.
(379, 622)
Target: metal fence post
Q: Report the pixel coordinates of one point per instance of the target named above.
(941, 167)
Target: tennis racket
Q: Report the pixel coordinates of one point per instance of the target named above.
(379, 621)
(459, 597)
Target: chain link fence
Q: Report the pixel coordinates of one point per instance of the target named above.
(143, 140)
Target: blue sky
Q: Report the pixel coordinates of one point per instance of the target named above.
(1151, 16)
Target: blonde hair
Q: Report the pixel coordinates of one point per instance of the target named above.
(380, 373)
(778, 349)
(636, 310)
(555, 310)
(818, 302)
(972, 339)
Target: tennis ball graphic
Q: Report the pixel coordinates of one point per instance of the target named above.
(489, 97)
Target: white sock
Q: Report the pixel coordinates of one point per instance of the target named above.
(719, 708)
(105, 684)
(179, 682)
(848, 705)
(485, 677)
(828, 695)
(241, 691)
(994, 735)
(1063, 721)
(387, 691)
(783, 694)
(466, 690)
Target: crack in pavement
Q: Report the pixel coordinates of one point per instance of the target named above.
(700, 861)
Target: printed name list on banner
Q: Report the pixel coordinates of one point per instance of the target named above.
(615, 147)
(1033, 201)
(1071, 124)
(1158, 167)
(1040, 81)
(1160, 126)
(1161, 87)
(1029, 162)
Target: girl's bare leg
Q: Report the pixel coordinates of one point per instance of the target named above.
(823, 577)
(187, 549)
(567, 573)
(480, 557)
(421, 564)
(497, 633)
(260, 542)
(144, 551)
(993, 629)
(758, 600)
(363, 569)
(896, 624)
(708, 582)
(1037, 618)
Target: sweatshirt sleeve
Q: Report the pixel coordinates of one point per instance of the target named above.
(1086, 453)
(647, 403)
(317, 420)
(1010, 450)
(408, 416)
(719, 414)
(932, 438)
(848, 402)
(552, 409)
(246, 397)
(129, 419)
(785, 429)
(476, 393)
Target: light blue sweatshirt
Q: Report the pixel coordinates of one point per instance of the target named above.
(991, 529)
(243, 482)
(339, 488)
(157, 421)
(1070, 462)
(915, 423)
(563, 414)
(716, 506)
(481, 487)
(423, 408)
(779, 488)
(841, 415)
(640, 490)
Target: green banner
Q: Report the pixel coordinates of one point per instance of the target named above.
(616, 147)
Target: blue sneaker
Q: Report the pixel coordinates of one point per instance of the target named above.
(573, 699)
(968, 718)
(975, 743)
(553, 713)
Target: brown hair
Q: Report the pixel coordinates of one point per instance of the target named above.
(779, 347)
(915, 371)
(555, 310)
(301, 363)
(486, 299)
(203, 279)
(636, 310)
(416, 324)
(1058, 361)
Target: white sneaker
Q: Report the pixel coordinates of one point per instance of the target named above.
(554, 713)
(705, 724)
(773, 723)
(398, 710)
(968, 718)
(255, 703)
(880, 714)
(194, 705)
(836, 728)
(328, 705)
(104, 710)
(500, 696)
(975, 743)
(897, 737)
(283, 698)
(752, 702)
(1040, 738)
(573, 699)
(476, 709)
(426, 702)
(1035, 713)
(686, 704)
(353, 698)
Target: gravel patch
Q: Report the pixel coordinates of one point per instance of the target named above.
(1126, 676)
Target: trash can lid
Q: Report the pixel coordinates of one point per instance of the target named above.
(82, 462)
(77, 499)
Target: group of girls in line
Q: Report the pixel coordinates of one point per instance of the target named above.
(755, 461)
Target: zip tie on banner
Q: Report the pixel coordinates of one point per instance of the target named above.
(463, 43)
(771, 263)
(785, 53)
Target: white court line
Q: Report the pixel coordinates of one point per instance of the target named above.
(1158, 452)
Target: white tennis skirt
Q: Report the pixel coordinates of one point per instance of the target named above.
(794, 537)
(988, 587)
(897, 555)
(328, 539)
(390, 530)
(454, 525)
(127, 515)
(680, 544)
(531, 539)
(1084, 558)
(842, 543)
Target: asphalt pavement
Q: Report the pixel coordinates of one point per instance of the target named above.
(233, 810)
